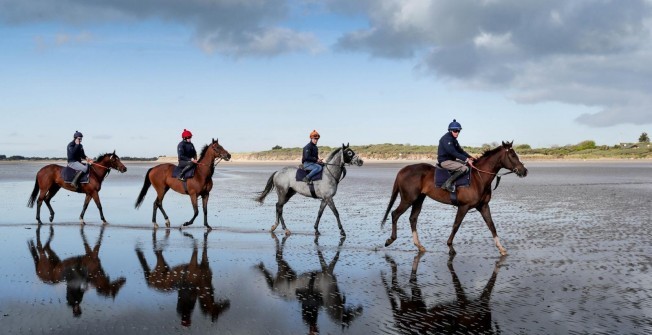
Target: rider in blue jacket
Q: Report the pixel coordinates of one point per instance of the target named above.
(451, 156)
(186, 152)
(76, 153)
(310, 159)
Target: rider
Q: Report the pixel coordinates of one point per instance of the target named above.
(75, 155)
(187, 153)
(310, 159)
(451, 156)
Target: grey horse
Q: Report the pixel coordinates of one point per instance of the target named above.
(286, 185)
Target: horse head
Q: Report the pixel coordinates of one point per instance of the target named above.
(350, 157)
(511, 161)
(220, 152)
(113, 161)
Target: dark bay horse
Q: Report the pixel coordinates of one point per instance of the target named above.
(463, 315)
(415, 182)
(49, 181)
(286, 186)
(199, 185)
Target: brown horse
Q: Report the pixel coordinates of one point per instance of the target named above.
(200, 184)
(49, 181)
(415, 182)
(313, 289)
(461, 316)
(76, 271)
(193, 281)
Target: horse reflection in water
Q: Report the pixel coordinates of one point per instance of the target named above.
(462, 316)
(78, 271)
(193, 281)
(314, 289)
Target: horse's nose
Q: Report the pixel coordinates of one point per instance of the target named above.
(124, 169)
(228, 156)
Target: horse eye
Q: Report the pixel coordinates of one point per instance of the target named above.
(349, 153)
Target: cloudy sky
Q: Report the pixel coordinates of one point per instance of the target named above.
(131, 75)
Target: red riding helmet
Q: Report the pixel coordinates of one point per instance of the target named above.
(186, 134)
(314, 134)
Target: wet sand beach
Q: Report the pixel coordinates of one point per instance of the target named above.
(578, 234)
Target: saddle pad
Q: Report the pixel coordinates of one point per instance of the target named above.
(189, 173)
(68, 173)
(441, 175)
(302, 173)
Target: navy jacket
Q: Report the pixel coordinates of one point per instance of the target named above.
(449, 149)
(310, 153)
(75, 152)
(186, 151)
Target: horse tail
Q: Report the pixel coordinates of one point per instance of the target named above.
(392, 199)
(32, 198)
(143, 191)
(268, 188)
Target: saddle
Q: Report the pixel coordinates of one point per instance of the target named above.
(68, 173)
(188, 174)
(301, 173)
(441, 175)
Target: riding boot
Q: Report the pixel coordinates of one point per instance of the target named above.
(183, 172)
(307, 181)
(449, 184)
(75, 179)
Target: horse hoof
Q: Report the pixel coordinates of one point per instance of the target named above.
(187, 224)
(317, 233)
(209, 228)
(421, 249)
(51, 218)
(155, 224)
(388, 242)
(273, 228)
(39, 222)
(287, 232)
(342, 233)
(167, 223)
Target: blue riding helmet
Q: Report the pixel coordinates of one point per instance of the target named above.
(454, 125)
(78, 134)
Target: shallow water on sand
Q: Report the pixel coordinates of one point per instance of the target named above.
(579, 237)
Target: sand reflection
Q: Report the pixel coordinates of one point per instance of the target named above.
(314, 290)
(463, 315)
(193, 281)
(77, 272)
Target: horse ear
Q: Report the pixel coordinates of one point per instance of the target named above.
(113, 152)
(504, 144)
(347, 144)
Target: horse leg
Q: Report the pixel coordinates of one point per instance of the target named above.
(96, 198)
(204, 202)
(158, 204)
(283, 198)
(402, 207)
(414, 215)
(86, 201)
(461, 212)
(51, 193)
(193, 200)
(486, 215)
(331, 204)
(321, 211)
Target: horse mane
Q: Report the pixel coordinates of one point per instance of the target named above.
(332, 154)
(203, 152)
(102, 156)
(490, 152)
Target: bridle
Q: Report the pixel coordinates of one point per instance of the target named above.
(498, 175)
(342, 165)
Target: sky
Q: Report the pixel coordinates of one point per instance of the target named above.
(132, 75)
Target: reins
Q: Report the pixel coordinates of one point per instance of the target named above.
(498, 175)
